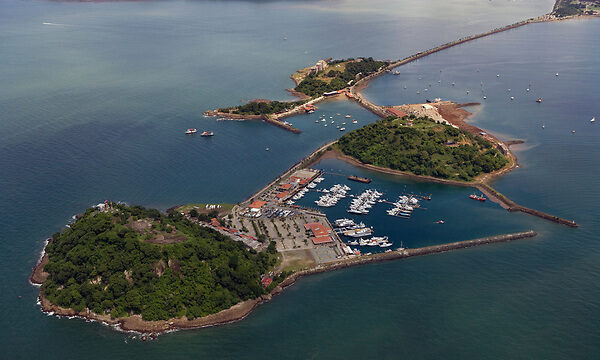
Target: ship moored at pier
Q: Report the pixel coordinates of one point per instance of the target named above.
(359, 179)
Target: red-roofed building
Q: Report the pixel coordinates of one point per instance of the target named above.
(396, 112)
(257, 204)
(282, 195)
(267, 281)
(318, 229)
(318, 240)
(285, 186)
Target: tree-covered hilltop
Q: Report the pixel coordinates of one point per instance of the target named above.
(131, 260)
(315, 84)
(425, 148)
(263, 107)
(564, 8)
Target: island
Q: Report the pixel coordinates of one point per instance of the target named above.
(138, 266)
(422, 146)
(567, 8)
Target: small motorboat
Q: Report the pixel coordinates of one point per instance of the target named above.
(592, 120)
(191, 131)
(475, 197)
(539, 100)
(207, 133)
(440, 221)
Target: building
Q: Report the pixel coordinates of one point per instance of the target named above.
(320, 233)
(321, 65)
(257, 204)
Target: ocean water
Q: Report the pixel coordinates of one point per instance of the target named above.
(94, 105)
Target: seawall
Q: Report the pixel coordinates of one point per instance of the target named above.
(242, 309)
(512, 206)
(406, 253)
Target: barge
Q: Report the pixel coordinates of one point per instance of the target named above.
(359, 179)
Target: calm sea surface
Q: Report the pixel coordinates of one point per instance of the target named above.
(95, 98)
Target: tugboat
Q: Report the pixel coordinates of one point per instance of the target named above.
(475, 197)
(191, 131)
(207, 133)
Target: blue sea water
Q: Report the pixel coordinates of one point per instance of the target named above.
(94, 105)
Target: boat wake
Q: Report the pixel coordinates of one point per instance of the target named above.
(54, 24)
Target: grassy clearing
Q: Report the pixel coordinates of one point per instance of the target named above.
(202, 208)
(296, 260)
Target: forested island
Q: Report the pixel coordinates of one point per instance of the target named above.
(335, 75)
(313, 82)
(421, 146)
(128, 260)
(564, 8)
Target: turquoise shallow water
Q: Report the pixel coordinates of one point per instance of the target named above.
(95, 106)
